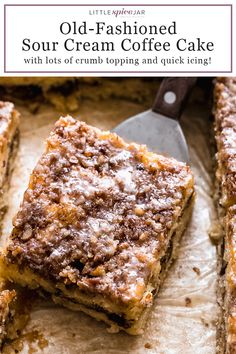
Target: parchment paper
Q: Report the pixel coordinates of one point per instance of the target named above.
(183, 317)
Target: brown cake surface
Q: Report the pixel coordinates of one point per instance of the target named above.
(96, 222)
(225, 127)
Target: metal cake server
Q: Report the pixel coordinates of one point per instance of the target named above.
(159, 127)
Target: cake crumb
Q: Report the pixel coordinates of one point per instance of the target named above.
(148, 346)
(215, 232)
(188, 301)
(204, 322)
(197, 270)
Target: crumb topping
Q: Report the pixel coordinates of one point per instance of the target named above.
(98, 212)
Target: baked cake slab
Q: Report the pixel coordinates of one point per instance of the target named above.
(225, 131)
(99, 224)
(9, 138)
(9, 135)
(7, 311)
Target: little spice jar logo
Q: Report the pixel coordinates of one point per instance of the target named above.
(117, 12)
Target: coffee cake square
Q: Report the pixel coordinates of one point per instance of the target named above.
(99, 224)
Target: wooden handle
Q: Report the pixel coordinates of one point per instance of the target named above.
(172, 95)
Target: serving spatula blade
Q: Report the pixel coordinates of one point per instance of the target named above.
(159, 128)
(161, 134)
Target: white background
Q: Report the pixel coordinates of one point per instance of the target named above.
(42, 24)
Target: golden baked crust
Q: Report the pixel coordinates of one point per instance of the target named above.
(225, 128)
(96, 223)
